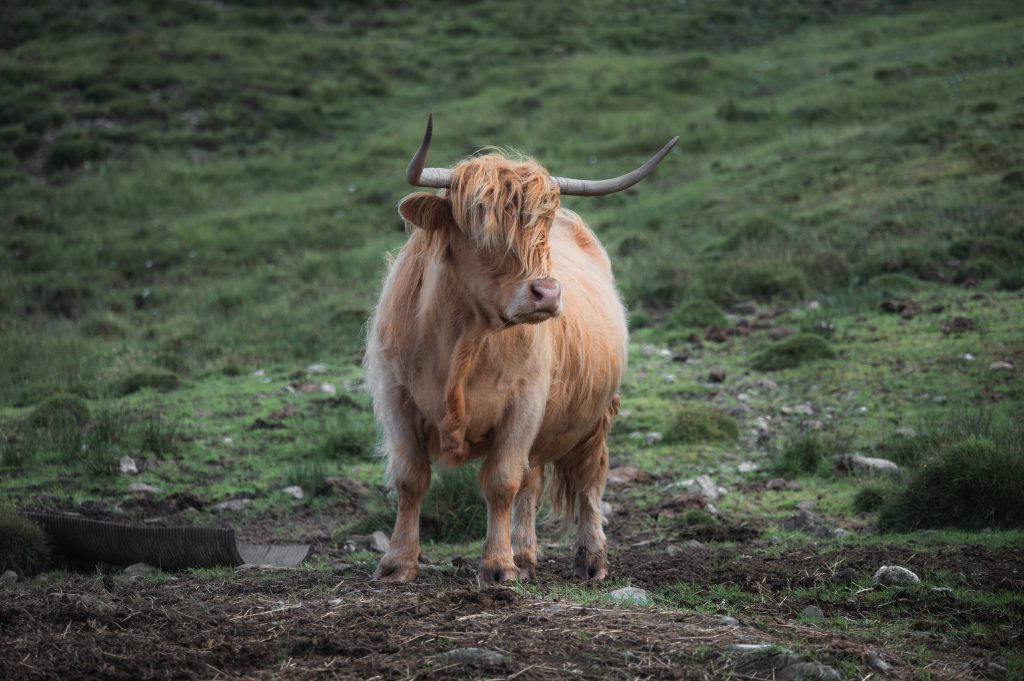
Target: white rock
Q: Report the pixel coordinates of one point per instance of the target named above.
(232, 505)
(905, 431)
(143, 488)
(813, 612)
(695, 544)
(328, 389)
(1001, 366)
(136, 569)
(630, 594)
(636, 435)
(894, 575)
(869, 464)
(334, 601)
(652, 438)
(9, 577)
(294, 491)
(747, 467)
(259, 373)
(761, 424)
(704, 486)
(967, 357)
(379, 542)
(128, 466)
(477, 657)
(809, 671)
(624, 414)
(875, 663)
(755, 648)
(316, 368)
(727, 622)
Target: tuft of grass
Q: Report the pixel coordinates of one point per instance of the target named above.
(696, 314)
(23, 544)
(692, 424)
(767, 281)
(453, 510)
(868, 499)
(157, 380)
(974, 481)
(792, 352)
(801, 455)
(310, 475)
(60, 411)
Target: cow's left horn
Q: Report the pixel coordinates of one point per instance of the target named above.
(417, 175)
(571, 187)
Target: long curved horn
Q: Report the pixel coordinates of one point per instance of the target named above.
(572, 187)
(417, 175)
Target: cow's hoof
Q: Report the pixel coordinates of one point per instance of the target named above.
(494, 572)
(527, 566)
(588, 565)
(391, 570)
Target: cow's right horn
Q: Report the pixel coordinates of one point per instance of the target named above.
(417, 175)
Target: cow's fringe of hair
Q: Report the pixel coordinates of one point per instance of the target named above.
(505, 204)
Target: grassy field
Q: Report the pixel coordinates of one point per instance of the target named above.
(196, 201)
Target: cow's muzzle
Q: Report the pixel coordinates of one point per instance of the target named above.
(546, 296)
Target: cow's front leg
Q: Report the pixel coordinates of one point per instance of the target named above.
(500, 478)
(524, 523)
(411, 479)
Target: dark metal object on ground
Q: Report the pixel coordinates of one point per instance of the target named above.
(169, 548)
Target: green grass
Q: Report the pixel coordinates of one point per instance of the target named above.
(23, 545)
(693, 424)
(792, 352)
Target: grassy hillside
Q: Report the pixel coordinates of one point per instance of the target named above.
(196, 201)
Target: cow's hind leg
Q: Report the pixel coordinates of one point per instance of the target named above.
(585, 472)
(524, 523)
(409, 473)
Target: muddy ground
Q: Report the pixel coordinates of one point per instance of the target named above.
(334, 622)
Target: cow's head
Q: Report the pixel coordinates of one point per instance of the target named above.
(492, 223)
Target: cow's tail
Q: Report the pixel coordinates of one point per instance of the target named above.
(583, 470)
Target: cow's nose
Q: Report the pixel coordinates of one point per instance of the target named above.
(547, 295)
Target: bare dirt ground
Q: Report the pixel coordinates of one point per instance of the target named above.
(334, 622)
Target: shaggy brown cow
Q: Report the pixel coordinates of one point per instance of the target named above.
(499, 336)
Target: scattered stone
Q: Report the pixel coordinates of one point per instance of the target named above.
(128, 466)
(143, 488)
(775, 484)
(748, 648)
(845, 576)
(652, 438)
(873, 660)
(806, 505)
(346, 486)
(677, 356)
(777, 333)
(746, 308)
(809, 671)
(761, 424)
(1000, 366)
(232, 505)
(805, 521)
(957, 325)
(869, 464)
(9, 577)
(804, 409)
(704, 486)
(727, 622)
(137, 569)
(812, 612)
(477, 657)
(967, 357)
(259, 373)
(894, 575)
(696, 544)
(905, 431)
(378, 541)
(747, 467)
(840, 532)
(673, 551)
(716, 334)
(625, 475)
(630, 594)
(316, 368)
(717, 375)
(294, 491)
(904, 307)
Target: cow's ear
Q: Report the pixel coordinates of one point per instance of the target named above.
(427, 211)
